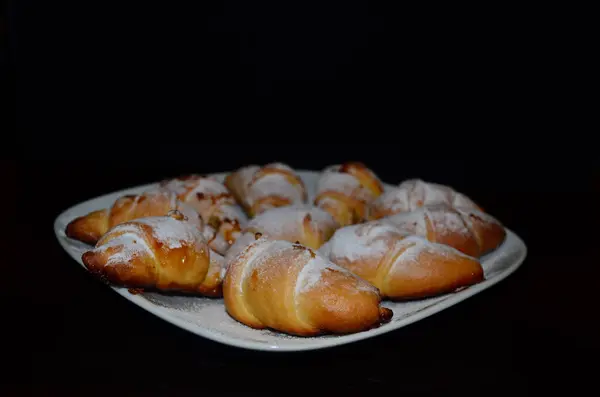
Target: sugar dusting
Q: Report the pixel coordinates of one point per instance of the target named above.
(446, 220)
(332, 179)
(127, 246)
(362, 240)
(269, 184)
(312, 274)
(414, 193)
(286, 220)
(172, 233)
(275, 185)
(412, 222)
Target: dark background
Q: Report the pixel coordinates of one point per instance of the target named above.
(107, 96)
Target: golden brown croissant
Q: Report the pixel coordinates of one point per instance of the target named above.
(400, 265)
(154, 202)
(290, 288)
(274, 185)
(472, 232)
(415, 193)
(223, 217)
(346, 190)
(308, 225)
(165, 253)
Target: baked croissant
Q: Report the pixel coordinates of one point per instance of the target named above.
(346, 190)
(308, 225)
(472, 232)
(400, 265)
(415, 193)
(165, 253)
(274, 185)
(223, 217)
(153, 202)
(290, 288)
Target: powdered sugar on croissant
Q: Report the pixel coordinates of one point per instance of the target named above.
(163, 252)
(415, 193)
(399, 264)
(345, 190)
(468, 230)
(309, 225)
(260, 188)
(291, 288)
(153, 202)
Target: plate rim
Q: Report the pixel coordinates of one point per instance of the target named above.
(313, 343)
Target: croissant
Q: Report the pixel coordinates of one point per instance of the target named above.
(222, 216)
(165, 253)
(153, 202)
(472, 232)
(400, 265)
(274, 185)
(290, 288)
(346, 190)
(415, 193)
(307, 225)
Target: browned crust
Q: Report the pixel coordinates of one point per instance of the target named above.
(88, 228)
(346, 210)
(364, 175)
(490, 235)
(431, 273)
(464, 242)
(182, 269)
(341, 303)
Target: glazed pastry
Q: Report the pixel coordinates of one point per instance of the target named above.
(274, 185)
(223, 217)
(470, 231)
(415, 193)
(154, 202)
(290, 288)
(346, 190)
(164, 253)
(400, 265)
(308, 225)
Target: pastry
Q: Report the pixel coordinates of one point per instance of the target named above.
(415, 193)
(346, 190)
(153, 202)
(274, 185)
(308, 225)
(291, 288)
(164, 253)
(470, 231)
(401, 265)
(223, 217)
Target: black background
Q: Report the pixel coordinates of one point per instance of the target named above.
(110, 96)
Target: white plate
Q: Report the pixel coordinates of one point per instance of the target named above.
(207, 317)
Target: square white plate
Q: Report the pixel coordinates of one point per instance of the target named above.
(207, 317)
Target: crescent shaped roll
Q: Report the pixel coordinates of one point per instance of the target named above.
(307, 225)
(290, 288)
(400, 265)
(472, 232)
(165, 253)
(346, 190)
(415, 193)
(153, 202)
(259, 188)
